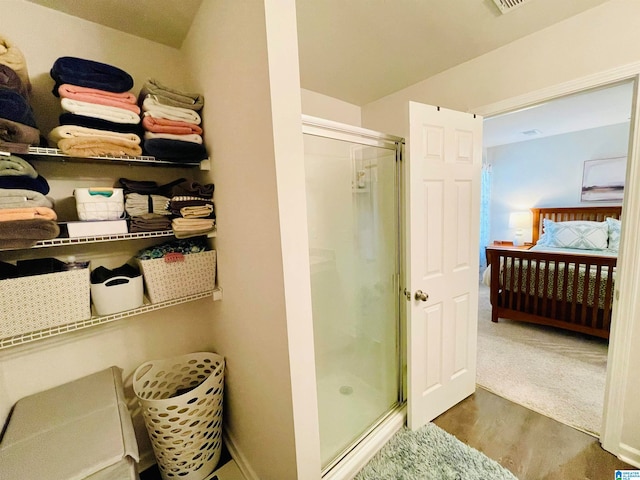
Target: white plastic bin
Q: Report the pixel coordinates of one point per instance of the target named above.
(117, 294)
(181, 400)
(99, 203)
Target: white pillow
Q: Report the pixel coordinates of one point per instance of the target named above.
(584, 235)
(614, 234)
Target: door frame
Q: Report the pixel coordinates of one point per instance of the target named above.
(625, 307)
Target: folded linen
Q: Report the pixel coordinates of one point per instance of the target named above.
(14, 165)
(149, 222)
(164, 125)
(91, 74)
(11, 56)
(171, 96)
(99, 124)
(193, 137)
(197, 211)
(191, 188)
(10, 79)
(76, 131)
(27, 213)
(126, 100)
(158, 110)
(16, 108)
(104, 112)
(176, 204)
(148, 187)
(15, 132)
(136, 204)
(175, 150)
(23, 182)
(19, 198)
(191, 227)
(26, 233)
(97, 146)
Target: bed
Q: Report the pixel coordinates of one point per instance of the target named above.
(566, 279)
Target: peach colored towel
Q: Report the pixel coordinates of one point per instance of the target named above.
(76, 131)
(27, 213)
(125, 100)
(97, 146)
(164, 125)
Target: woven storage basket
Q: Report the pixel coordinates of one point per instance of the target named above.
(32, 303)
(185, 428)
(179, 276)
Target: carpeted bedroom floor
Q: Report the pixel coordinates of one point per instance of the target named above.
(553, 372)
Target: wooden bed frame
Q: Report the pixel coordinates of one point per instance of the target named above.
(521, 297)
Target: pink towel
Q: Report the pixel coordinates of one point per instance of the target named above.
(164, 125)
(125, 100)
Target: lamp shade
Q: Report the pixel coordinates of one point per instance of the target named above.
(520, 220)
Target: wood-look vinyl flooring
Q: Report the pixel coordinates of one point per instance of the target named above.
(530, 445)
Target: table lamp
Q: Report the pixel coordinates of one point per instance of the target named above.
(519, 221)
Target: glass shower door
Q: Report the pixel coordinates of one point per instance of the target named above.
(352, 209)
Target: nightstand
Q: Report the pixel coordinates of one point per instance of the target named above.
(505, 245)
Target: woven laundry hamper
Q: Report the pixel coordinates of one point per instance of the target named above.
(181, 400)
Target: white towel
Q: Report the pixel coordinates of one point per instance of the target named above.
(104, 112)
(152, 108)
(188, 137)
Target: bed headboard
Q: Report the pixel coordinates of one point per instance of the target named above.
(565, 214)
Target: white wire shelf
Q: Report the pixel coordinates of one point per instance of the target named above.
(25, 338)
(55, 154)
(59, 242)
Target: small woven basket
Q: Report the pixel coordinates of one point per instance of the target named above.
(181, 400)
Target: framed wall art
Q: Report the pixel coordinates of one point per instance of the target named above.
(603, 180)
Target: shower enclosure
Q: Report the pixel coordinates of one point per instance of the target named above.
(352, 184)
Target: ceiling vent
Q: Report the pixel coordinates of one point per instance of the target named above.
(509, 5)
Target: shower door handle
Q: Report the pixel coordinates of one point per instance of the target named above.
(420, 295)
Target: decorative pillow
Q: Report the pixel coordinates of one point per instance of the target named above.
(544, 238)
(584, 235)
(614, 233)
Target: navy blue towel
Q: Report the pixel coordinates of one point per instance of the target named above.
(90, 74)
(16, 108)
(25, 182)
(100, 124)
(174, 150)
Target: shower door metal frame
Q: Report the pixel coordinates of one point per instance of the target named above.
(339, 131)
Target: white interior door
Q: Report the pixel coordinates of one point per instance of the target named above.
(444, 162)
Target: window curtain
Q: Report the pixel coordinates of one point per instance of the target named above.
(485, 211)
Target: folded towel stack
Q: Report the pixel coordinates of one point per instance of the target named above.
(26, 214)
(145, 203)
(171, 123)
(100, 115)
(183, 205)
(192, 205)
(17, 121)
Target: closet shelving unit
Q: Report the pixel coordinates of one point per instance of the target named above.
(53, 154)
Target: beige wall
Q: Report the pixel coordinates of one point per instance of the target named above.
(603, 39)
(329, 108)
(263, 325)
